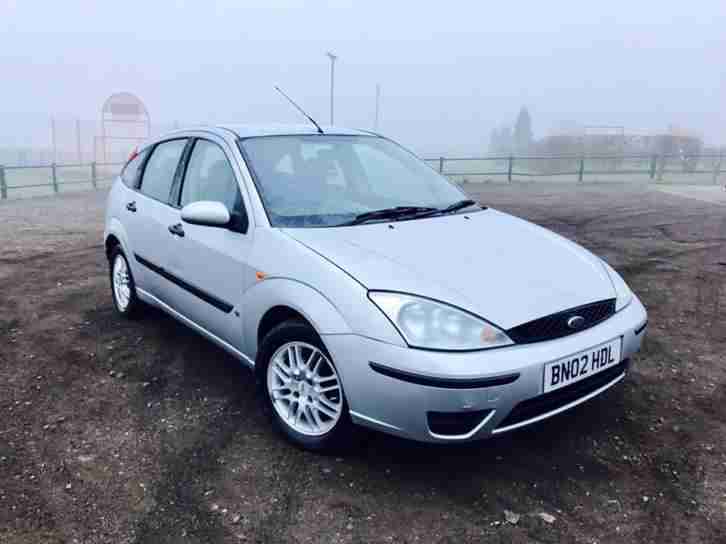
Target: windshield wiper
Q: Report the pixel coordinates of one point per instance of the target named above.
(390, 213)
(455, 207)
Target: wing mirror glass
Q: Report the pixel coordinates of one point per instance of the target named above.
(205, 212)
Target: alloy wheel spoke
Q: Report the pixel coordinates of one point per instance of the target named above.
(316, 416)
(310, 417)
(329, 388)
(281, 375)
(325, 401)
(292, 409)
(298, 357)
(325, 410)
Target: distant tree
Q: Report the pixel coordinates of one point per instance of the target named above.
(523, 131)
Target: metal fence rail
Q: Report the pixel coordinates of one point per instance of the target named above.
(17, 181)
(42, 179)
(700, 169)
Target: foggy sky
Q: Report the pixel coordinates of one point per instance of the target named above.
(449, 71)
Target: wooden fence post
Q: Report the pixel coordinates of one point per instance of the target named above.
(509, 168)
(3, 184)
(54, 174)
(94, 179)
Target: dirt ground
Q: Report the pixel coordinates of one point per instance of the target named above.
(115, 431)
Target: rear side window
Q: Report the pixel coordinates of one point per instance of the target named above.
(130, 173)
(160, 169)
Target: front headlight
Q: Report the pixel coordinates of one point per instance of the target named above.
(427, 324)
(623, 293)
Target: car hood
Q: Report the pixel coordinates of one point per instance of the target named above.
(502, 268)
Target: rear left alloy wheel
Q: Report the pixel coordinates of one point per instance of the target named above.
(302, 388)
(123, 288)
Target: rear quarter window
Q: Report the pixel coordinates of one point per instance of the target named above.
(130, 173)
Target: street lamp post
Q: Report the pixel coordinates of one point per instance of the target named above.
(332, 58)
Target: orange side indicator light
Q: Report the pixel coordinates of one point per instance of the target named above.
(260, 275)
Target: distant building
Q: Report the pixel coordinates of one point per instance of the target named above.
(621, 140)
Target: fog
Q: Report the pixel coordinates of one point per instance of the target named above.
(449, 71)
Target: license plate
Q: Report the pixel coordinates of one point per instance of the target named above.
(581, 365)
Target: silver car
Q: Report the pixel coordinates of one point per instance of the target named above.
(362, 287)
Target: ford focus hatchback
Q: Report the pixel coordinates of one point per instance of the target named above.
(362, 287)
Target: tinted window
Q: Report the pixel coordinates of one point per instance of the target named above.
(210, 177)
(130, 174)
(159, 171)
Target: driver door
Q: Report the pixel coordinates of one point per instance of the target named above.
(210, 264)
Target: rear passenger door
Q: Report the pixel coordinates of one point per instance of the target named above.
(210, 263)
(151, 214)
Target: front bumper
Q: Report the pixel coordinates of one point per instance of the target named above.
(401, 406)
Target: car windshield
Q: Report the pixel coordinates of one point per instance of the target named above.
(327, 180)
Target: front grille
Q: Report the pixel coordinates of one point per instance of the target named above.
(548, 402)
(555, 325)
(455, 423)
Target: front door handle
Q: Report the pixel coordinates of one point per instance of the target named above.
(131, 206)
(177, 229)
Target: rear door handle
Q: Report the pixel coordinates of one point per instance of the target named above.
(131, 206)
(177, 229)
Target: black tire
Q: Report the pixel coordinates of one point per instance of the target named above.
(134, 308)
(343, 434)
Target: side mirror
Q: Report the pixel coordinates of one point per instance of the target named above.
(205, 212)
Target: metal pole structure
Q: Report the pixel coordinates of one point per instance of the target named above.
(78, 141)
(94, 176)
(509, 168)
(332, 58)
(378, 105)
(55, 178)
(581, 171)
(441, 165)
(3, 184)
(53, 140)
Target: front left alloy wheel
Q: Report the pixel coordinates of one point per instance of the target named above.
(302, 388)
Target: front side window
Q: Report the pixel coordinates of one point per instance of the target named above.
(160, 169)
(326, 180)
(209, 176)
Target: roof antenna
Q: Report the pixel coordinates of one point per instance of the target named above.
(298, 108)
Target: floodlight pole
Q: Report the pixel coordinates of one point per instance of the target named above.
(332, 58)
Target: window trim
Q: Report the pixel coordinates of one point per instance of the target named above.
(152, 149)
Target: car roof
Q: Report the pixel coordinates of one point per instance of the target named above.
(250, 131)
